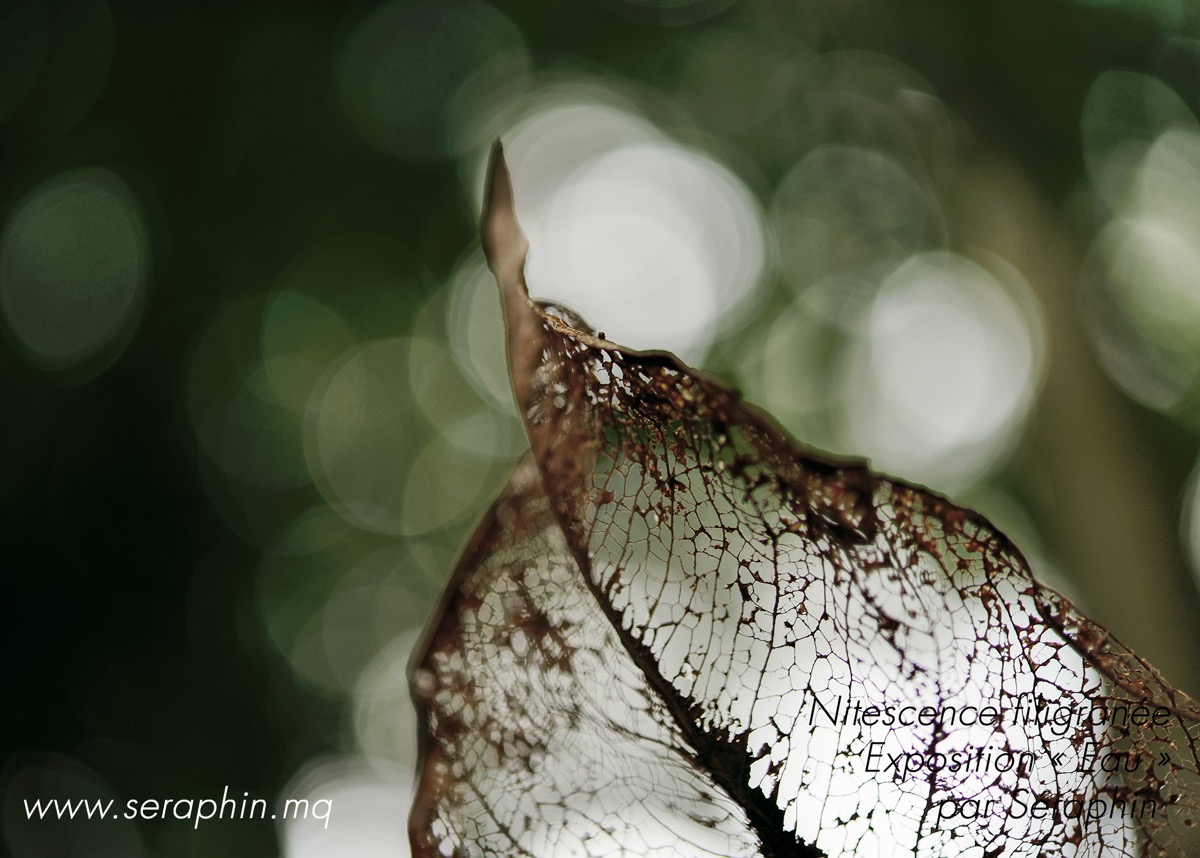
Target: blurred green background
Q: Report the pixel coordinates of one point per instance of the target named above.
(254, 396)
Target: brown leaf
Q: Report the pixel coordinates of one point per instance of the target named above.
(679, 633)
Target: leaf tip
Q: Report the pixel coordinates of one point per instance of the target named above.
(504, 245)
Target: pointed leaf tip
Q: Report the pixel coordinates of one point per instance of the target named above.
(504, 245)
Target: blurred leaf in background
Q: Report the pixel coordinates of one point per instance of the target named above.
(253, 362)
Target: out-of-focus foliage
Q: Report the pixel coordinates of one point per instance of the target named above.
(253, 363)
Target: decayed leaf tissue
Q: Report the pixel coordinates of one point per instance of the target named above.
(678, 633)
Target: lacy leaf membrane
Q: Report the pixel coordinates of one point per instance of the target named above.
(678, 633)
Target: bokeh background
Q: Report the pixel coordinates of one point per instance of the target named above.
(252, 372)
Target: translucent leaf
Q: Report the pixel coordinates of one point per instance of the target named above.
(679, 633)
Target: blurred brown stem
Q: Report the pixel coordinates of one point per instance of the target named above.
(1110, 521)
